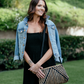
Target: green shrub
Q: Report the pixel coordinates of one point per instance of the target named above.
(10, 64)
(9, 3)
(10, 18)
(7, 53)
(64, 13)
(72, 49)
(6, 48)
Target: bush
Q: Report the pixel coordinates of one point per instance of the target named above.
(64, 13)
(72, 49)
(10, 18)
(9, 3)
(6, 48)
(7, 53)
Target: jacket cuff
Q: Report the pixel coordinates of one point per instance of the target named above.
(58, 59)
(16, 58)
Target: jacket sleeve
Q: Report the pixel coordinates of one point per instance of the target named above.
(58, 43)
(16, 52)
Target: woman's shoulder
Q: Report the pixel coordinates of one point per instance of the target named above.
(49, 22)
(21, 24)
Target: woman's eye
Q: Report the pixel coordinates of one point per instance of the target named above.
(39, 5)
(44, 6)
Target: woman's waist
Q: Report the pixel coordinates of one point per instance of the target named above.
(35, 50)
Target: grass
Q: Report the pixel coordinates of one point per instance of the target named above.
(75, 70)
(11, 77)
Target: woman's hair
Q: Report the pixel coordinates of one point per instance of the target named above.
(31, 11)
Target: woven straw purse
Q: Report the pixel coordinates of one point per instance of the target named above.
(54, 75)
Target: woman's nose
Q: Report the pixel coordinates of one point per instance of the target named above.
(42, 8)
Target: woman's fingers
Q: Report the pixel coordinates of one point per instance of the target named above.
(34, 68)
(33, 71)
(40, 74)
(41, 67)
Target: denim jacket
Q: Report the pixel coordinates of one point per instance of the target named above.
(21, 37)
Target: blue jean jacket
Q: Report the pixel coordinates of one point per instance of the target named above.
(21, 37)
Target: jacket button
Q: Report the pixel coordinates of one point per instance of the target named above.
(24, 37)
(24, 30)
(22, 52)
(26, 24)
(21, 31)
(23, 44)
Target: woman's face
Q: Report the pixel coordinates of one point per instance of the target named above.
(40, 8)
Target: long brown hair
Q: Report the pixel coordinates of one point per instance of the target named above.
(31, 11)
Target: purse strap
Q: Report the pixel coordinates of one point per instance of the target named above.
(43, 44)
(43, 41)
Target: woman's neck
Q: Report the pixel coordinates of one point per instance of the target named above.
(36, 19)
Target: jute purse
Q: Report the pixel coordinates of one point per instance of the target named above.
(54, 74)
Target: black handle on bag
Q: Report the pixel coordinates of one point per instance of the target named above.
(43, 44)
(43, 41)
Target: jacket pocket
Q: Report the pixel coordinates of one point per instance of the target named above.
(21, 30)
(53, 27)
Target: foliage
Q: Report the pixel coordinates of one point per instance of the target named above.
(6, 48)
(72, 47)
(10, 18)
(7, 53)
(8, 63)
(9, 3)
(64, 13)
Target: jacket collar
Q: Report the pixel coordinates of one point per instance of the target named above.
(26, 19)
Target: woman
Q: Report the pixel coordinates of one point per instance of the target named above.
(29, 41)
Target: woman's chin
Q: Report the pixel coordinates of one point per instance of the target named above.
(40, 14)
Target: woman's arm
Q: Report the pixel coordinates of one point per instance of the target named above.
(27, 59)
(35, 68)
(47, 55)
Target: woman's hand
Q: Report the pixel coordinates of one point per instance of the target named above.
(36, 69)
(40, 74)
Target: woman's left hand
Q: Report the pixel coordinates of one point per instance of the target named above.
(40, 74)
(34, 69)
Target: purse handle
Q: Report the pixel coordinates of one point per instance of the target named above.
(43, 43)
